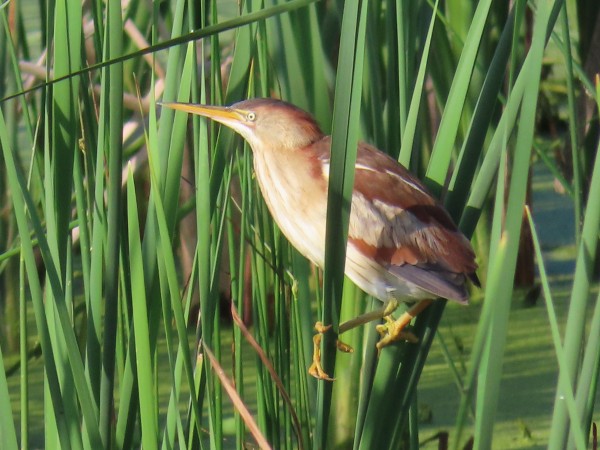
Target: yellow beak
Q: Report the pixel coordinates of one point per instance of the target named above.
(219, 113)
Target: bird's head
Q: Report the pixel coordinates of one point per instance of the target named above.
(265, 123)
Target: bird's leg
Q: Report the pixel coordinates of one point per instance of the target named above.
(378, 314)
(393, 330)
(316, 369)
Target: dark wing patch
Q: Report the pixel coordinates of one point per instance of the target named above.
(438, 283)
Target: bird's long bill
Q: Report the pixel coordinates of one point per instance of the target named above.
(218, 113)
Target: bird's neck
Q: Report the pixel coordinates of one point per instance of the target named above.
(295, 191)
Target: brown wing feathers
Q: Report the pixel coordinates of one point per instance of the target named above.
(423, 234)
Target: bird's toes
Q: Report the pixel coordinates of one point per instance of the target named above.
(320, 328)
(394, 331)
(343, 347)
(316, 370)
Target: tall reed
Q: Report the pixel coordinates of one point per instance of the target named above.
(105, 256)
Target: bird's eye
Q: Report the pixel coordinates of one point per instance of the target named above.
(251, 117)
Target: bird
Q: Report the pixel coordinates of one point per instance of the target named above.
(402, 246)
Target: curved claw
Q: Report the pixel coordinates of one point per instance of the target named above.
(316, 369)
(320, 328)
(393, 331)
(343, 347)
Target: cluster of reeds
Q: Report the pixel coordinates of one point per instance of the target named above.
(117, 216)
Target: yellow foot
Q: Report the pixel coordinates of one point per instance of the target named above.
(316, 369)
(393, 330)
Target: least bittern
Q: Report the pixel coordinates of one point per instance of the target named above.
(402, 244)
